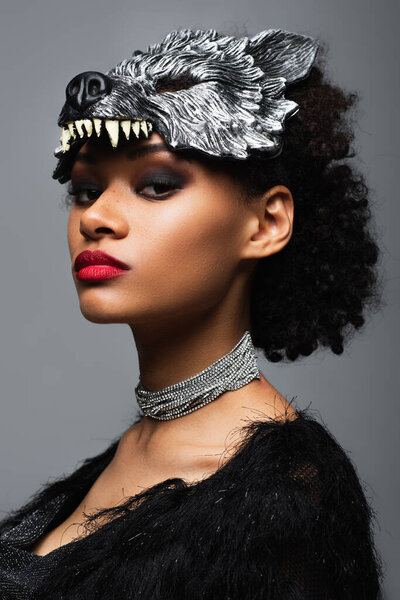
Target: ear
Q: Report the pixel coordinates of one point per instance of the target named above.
(270, 224)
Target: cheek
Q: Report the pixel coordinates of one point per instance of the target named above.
(190, 256)
(72, 231)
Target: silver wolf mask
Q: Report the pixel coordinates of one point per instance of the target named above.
(220, 95)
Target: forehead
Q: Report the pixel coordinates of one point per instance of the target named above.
(101, 148)
(97, 150)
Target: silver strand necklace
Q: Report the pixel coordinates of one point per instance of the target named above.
(230, 372)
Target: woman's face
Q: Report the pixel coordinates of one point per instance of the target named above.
(179, 226)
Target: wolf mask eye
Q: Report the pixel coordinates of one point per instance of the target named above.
(168, 84)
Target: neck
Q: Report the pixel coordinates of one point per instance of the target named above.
(170, 351)
(205, 430)
(187, 356)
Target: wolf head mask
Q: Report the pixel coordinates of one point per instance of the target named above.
(200, 90)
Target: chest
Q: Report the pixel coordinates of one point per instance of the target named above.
(113, 488)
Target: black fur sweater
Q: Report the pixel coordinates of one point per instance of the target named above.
(285, 518)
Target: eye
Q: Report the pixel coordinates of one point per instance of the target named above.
(83, 194)
(159, 186)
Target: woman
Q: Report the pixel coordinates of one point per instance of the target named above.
(183, 184)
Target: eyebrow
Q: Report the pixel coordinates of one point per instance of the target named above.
(134, 153)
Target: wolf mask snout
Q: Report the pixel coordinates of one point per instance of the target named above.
(86, 89)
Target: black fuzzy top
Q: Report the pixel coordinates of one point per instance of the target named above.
(285, 518)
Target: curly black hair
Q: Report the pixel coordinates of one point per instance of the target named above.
(316, 290)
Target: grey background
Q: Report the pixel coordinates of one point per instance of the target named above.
(67, 384)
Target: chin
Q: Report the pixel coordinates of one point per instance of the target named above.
(101, 310)
(101, 316)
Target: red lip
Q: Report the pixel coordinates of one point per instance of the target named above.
(97, 257)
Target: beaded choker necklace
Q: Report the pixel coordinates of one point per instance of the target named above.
(230, 372)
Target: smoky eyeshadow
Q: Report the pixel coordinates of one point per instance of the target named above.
(81, 184)
(167, 176)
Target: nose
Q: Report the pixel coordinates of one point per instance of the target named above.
(87, 88)
(105, 217)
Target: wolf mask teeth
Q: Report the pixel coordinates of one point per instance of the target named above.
(199, 90)
(84, 128)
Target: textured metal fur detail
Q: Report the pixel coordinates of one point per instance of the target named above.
(234, 102)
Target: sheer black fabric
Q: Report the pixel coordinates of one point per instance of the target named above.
(286, 517)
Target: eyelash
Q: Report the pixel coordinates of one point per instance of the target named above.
(74, 191)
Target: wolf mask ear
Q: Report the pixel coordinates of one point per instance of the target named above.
(199, 90)
(283, 54)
